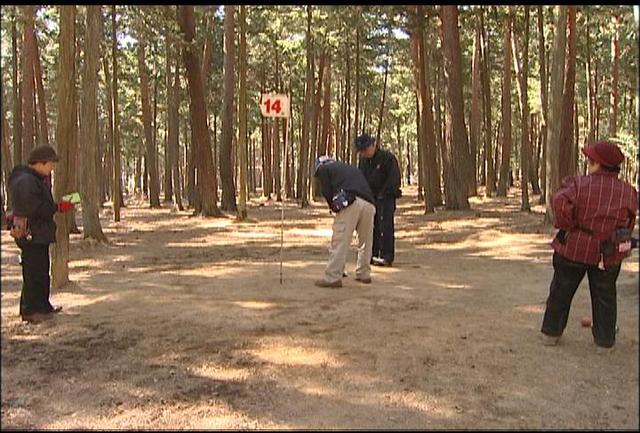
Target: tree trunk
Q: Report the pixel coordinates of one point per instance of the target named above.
(326, 112)
(168, 176)
(567, 160)
(591, 125)
(276, 156)
(173, 130)
(615, 60)
(427, 142)
(544, 103)
(117, 165)
(28, 55)
(7, 160)
(43, 130)
(108, 155)
(207, 183)
(303, 173)
(17, 99)
(89, 126)
(523, 76)
(65, 132)
(456, 155)
(315, 130)
(474, 115)
(384, 94)
(503, 183)
(226, 160)
(174, 134)
(490, 187)
(150, 158)
(242, 118)
(356, 124)
(555, 104)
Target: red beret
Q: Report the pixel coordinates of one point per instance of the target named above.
(605, 153)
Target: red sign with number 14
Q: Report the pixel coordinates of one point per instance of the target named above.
(274, 105)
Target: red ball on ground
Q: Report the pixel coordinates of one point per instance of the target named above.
(585, 321)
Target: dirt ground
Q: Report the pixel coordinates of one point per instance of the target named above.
(181, 322)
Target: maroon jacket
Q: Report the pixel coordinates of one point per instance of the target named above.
(599, 203)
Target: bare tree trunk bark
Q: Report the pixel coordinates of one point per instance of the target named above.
(474, 115)
(65, 135)
(201, 140)
(544, 103)
(456, 155)
(503, 183)
(17, 98)
(226, 160)
(154, 187)
(117, 165)
(89, 126)
(43, 132)
(242, 118)
(490, 187)
(28, 54)
(615, 60)
(568, 158)
(555, 104)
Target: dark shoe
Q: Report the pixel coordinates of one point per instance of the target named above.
(344, 274)
(37, 317)
(364, 280)
(549, 340)
(323, 283)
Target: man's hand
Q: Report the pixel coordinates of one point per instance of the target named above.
(65, 206)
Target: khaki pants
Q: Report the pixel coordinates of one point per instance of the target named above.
(359, 217)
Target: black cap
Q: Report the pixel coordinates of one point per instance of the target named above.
(363, 141)
(42, 153)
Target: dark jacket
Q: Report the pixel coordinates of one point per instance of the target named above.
(338, 175)
(382, 174)
(31, 197)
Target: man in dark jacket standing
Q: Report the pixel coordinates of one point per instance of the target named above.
(30, 189)
(589, 210)
(380, 168)
(349, 196)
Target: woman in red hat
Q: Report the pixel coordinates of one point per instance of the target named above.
(588, 210)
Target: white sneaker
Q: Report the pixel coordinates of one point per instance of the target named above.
(604, 350)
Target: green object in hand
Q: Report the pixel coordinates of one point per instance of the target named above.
(74, 197)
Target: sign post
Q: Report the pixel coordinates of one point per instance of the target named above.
(277, 105)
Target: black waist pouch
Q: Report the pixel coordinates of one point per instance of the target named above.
(341, 200)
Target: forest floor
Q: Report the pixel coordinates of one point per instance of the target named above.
(181, 322)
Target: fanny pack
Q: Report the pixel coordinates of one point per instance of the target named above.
(618, 243)
(341, 200)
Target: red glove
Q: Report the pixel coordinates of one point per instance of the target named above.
(65, 206)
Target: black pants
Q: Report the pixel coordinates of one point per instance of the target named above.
(35, 279)
(602, 285)
(384, 230)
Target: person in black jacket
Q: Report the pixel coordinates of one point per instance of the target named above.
(349, 196)
(30, 189)
(380, 168)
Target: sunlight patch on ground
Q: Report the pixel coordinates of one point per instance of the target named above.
(317, 390)
(72, 300)
(293, 353)
(532, 308)
(417, 401)
(216, 372)
(323, 232)
(254, 305)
